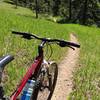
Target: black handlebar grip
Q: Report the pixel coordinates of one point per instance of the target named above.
(14, 32)
(73, 44)
(23, 34)
(18, 33)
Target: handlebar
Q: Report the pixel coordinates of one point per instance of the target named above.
(61, 43)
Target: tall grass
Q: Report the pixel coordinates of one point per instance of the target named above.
(87, 77)
(24, 50)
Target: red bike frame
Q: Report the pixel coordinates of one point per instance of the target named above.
(32, 70)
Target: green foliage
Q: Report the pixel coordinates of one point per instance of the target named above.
(84, 12)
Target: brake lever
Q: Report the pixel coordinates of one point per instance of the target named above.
(71, 47)
(64, 45)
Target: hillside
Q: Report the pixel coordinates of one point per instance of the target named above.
(87, 76)
(24, 51)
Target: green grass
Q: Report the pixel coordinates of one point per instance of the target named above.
(24, 50)
(11, 8)
(87, 76)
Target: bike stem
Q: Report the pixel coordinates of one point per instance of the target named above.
(40, 48)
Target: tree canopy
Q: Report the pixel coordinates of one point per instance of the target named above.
(86, 12)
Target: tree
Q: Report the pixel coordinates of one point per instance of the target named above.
(36, 8)
(16, 2)
(70, 9)
(85, 10)
(55, 7)
(78, 11)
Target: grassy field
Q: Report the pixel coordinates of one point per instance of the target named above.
(23, 50)
(87, 76)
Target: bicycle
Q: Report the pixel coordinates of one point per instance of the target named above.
(42, 74)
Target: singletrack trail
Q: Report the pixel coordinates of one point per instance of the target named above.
(65, 73)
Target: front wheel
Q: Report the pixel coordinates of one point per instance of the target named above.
(53, 72)
(48, 83)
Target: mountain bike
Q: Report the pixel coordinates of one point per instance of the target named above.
(39, 81)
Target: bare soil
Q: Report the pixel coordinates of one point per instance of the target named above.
(65, 73)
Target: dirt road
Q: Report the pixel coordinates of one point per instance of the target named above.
(65, 73)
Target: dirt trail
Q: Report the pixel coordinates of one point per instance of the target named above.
(65, 73)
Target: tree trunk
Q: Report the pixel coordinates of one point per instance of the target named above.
(55, 9)
(85, 9)
(70, 9)
(36, 8)
(16, 3)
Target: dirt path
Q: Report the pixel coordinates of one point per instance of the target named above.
(66, 67)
